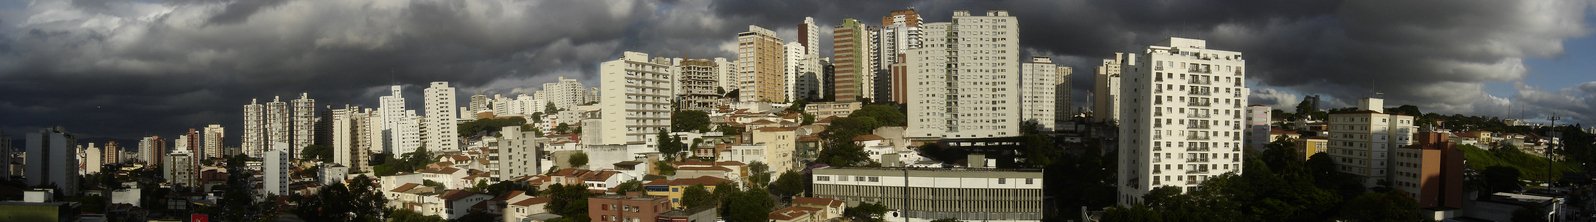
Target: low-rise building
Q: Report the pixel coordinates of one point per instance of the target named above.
(1431, 171)
(988, 194)
(1313, 145)
(633, 206)
(674, 189)
(830, 109)
(519, 206)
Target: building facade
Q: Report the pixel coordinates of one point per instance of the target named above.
(1105, 90)
(1362, 141)
(52, 159)
(1181, 111)
(1431, 171)
(965, 82)
(304, 121)
(850, 44)
(760, 60)
(927, 193)
(1040, 97)
(254, 136)
(696, 83)
(274, 167)
(1257, 126)
(441, 132)
(637, 98)
(213, 135)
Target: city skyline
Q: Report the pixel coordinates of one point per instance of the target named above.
(1528, 67)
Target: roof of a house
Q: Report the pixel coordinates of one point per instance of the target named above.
(815, 201)
(453, 195)
(406, 187)
(790, 213)
(867, 137)
(442, 170)
(532, 201)
(599, 175)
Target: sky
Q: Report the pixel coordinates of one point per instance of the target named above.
(130, 68)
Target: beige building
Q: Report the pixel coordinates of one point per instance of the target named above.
(636, 101)
(760, 66)
(696, 84)
(821, 110)
(1362, 141)
(1105, 92)
(850, 56)
(780, 145)
(965, 82)
(1044, 92)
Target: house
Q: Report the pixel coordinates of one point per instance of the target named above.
(633, 206)
(603, 181)
(729, 170)
(519, 206)
(450, 177)
(674, 189)
(794, 214)
(828, 208)
(453, 204)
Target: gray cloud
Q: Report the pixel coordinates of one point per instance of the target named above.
(127, 68)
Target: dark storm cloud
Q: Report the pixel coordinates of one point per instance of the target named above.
(126, 68)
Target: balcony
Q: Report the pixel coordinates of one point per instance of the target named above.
(1196, 149)
(1199, 104)
(1197, 171)
(1196, 115)
(1196, 92)
(1200, 69)
(1197, 126)
(1197, 160)
(1198, 81)
(1198, 137)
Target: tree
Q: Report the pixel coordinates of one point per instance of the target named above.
(697, 196)
(689, 121)
(406, 215)
(628, 186)
(759, 174)
(238, 198)
(753, 205)
(568, 201)
(668, 145)
(665, 168)
(1382, 206)
(1500, 179)
(789, 184)
(865, 212)
(842, 154)
(550, 109)
(578, 159)
(317, 152)
(887, 115)
(487, 126)
(562, 128)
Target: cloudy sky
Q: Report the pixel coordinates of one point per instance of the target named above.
(127, 68)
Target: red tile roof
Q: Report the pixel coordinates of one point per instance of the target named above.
(532, 201)
(815, 201)
(403, 188)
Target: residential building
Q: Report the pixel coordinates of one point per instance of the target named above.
(637, 99)
(392, 110)
(1362, 141)
(439, 126)
(728, 76)
(279, 128)
(632, 206)
(800, 77)
(1432, 172)
(826, 208)
(181, 169)
(151, 150)
(809, 40)
(6, 150)
(675, 188)
(522, 207)
(793, 214)
(918, 193)
(1181, 113)
(1039, 92)
(697, 82)
(345, 136)
(518, 153)
(822, 110)
(274, 167)
(329, 173)
(760, 61)
(213, 136)
(1258, 127)
(304, 120)
(780, 143)
(975, 61)
(51, 159)
(849, 55)
(1312, 146)
(254, 135)
(89, 158)
(453, 204)
(1105, 89)
(109, 156)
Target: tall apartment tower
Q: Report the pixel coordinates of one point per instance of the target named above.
(440, 128)
(1362, 141)
(1257, 127)
(52, 159)
(1039, 92)
(760, 61)
(279, 126)
(697, 82)
(809, 44)
(344, 135)
(111, 153)
(636, 103)
(517, 154)
(275, 169)
(304, 120)
(799, 87)
(5, 153)
(392, 109)
(1105, 91)
(980, 97)
(850, 44)
(365, 132)
(1064, 104)
(151, 150)
(1181, 113)
(254, 136)
(727, 72)
(213, 136)
(89, 159)
(181, 170)
(900, 31)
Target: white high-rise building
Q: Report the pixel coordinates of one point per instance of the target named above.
(275, 167)
(441, 131)
(564, 93)
(304, 123)
(1039, 92)
(376, 134)
(365, 132)
(1362, 141)
(1181, 113)
(90, 157)
(213, 136)
(392, 109)
(1064, 104)
(980, 97)
(406, 133)
(254, 136)
(344, 135)
(637, 99)
(728, 75)
(180, 168)
(278, 123)
(518, 154)
(1105, 91)
(1257, 127)
(795, 70)
(52, 159)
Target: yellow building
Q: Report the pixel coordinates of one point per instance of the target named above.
(674, 189)
(1313, 145)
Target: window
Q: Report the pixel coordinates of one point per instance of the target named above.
(1002, 180)
(1029, 180)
